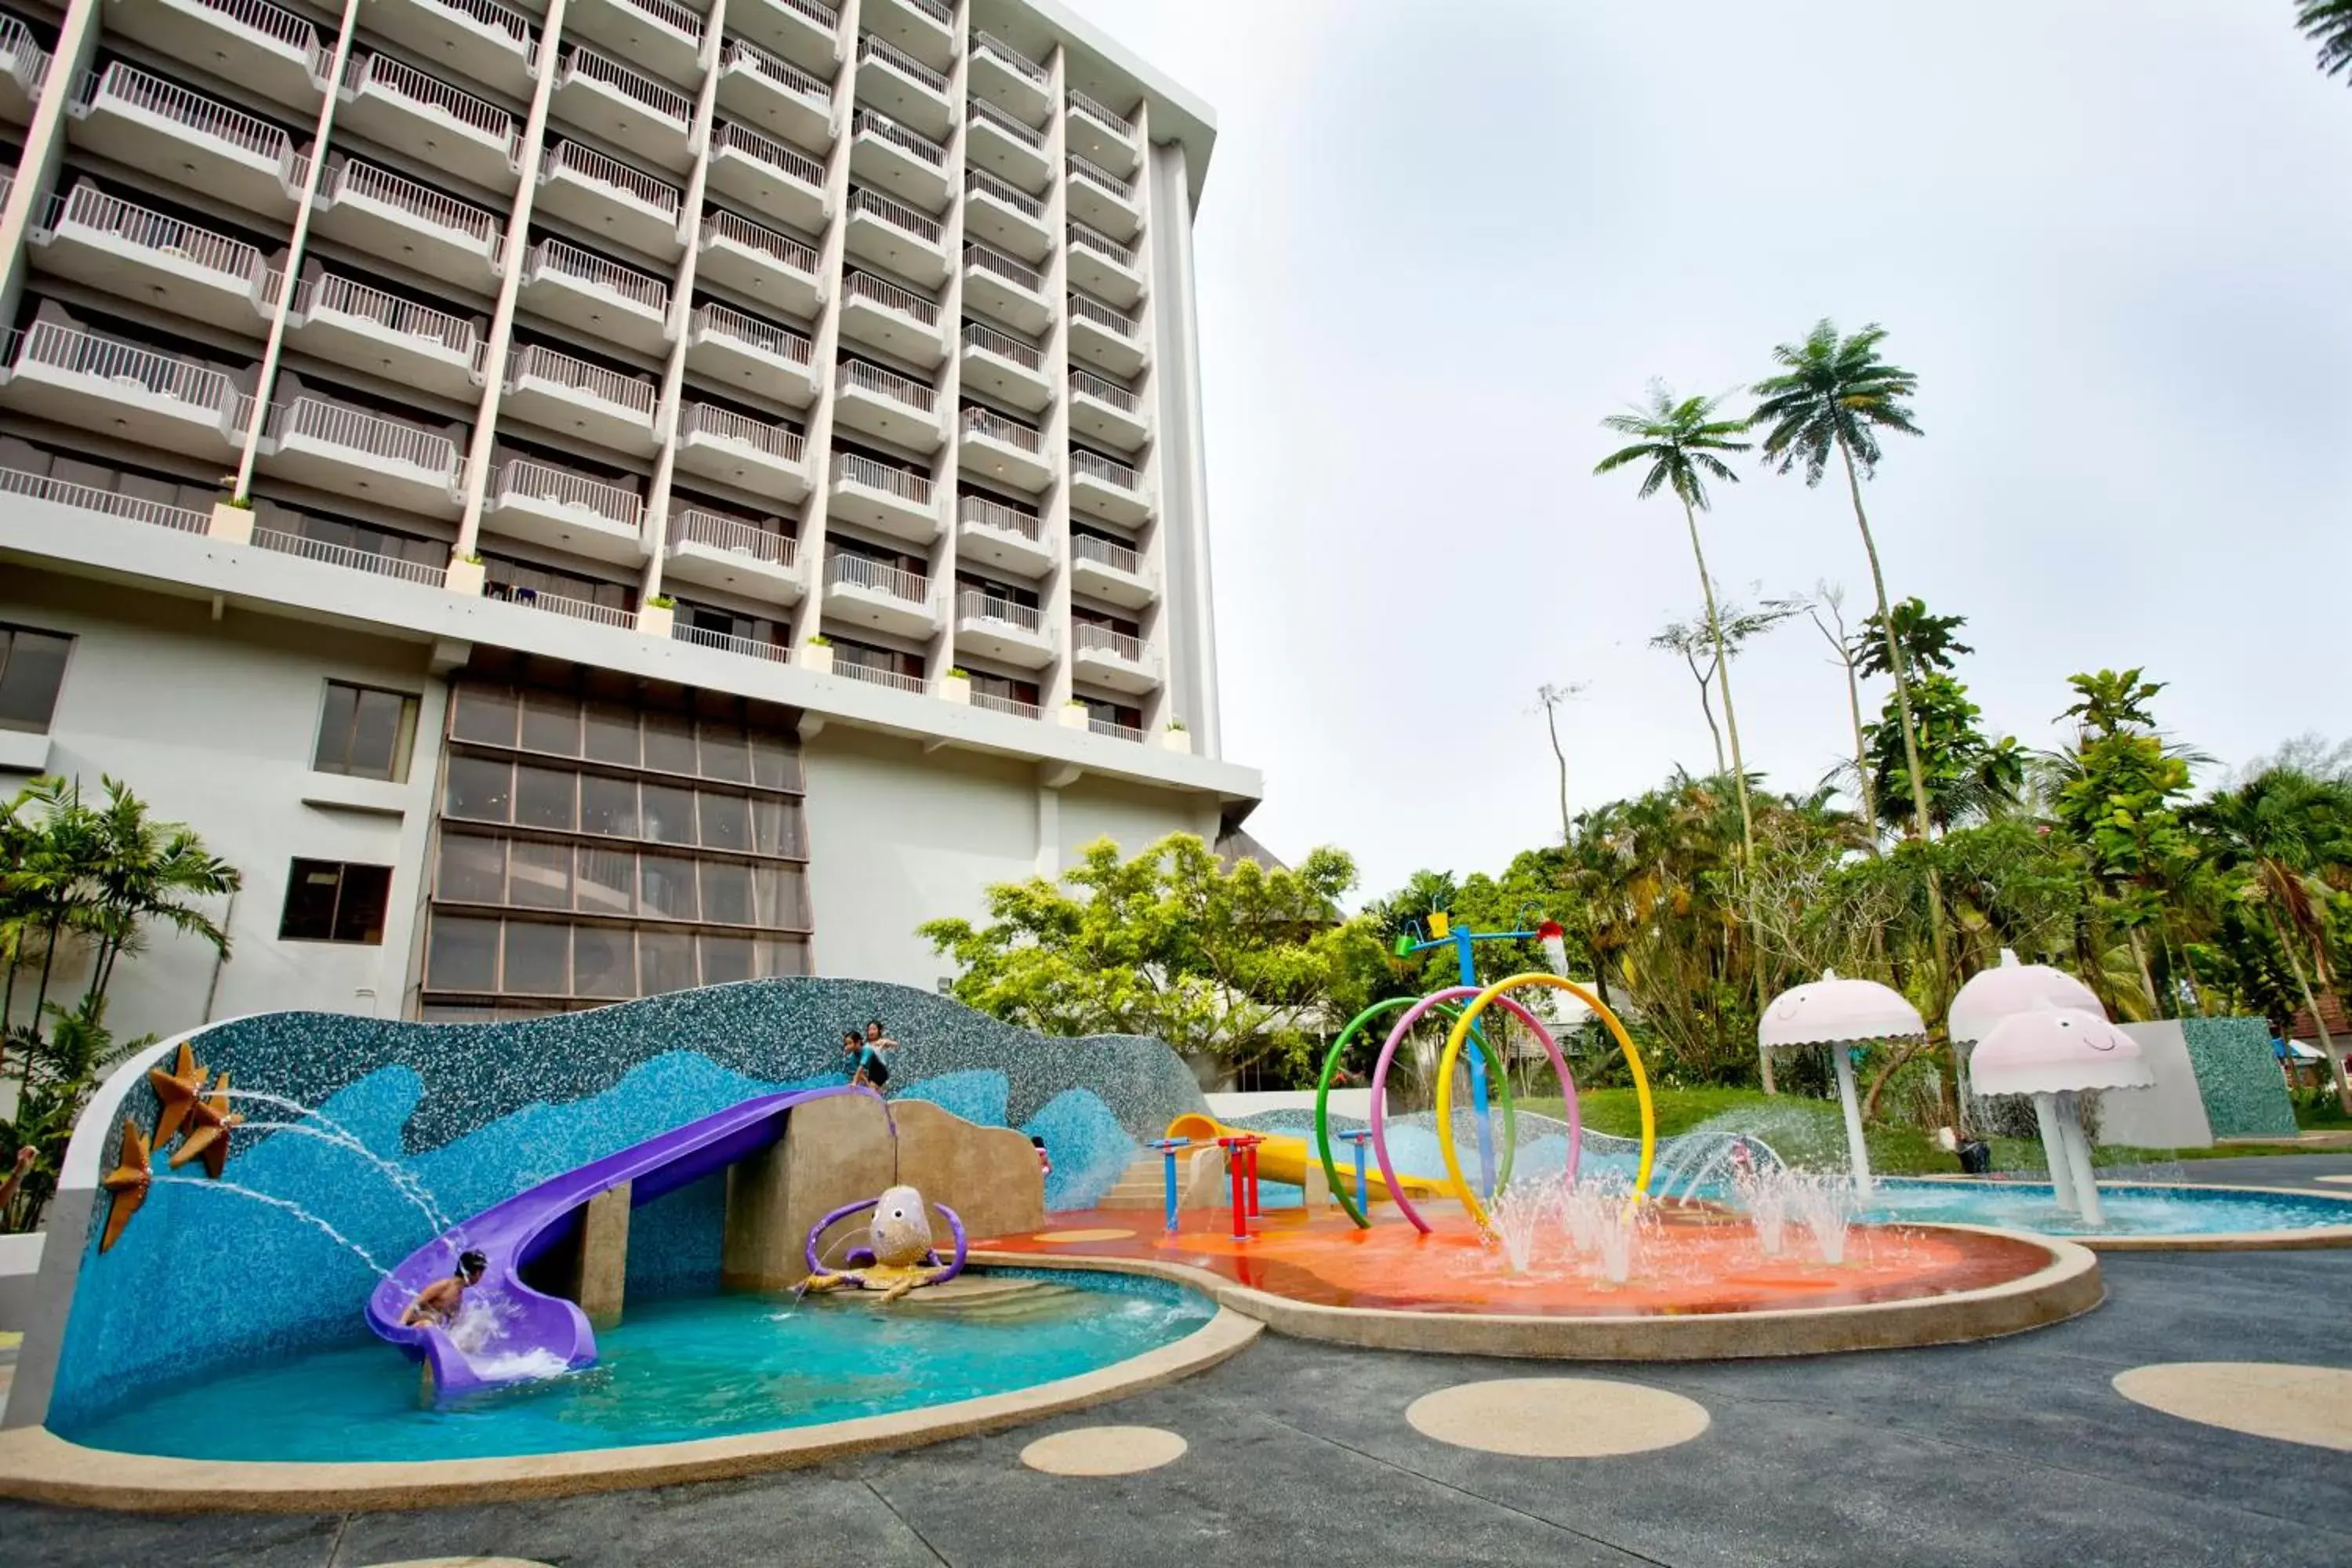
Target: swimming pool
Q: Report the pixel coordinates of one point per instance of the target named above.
(691, 1367)
(2131, 1209)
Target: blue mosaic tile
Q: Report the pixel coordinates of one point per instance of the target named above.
(2238, 1078)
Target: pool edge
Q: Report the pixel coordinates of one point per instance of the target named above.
(2303, 1239)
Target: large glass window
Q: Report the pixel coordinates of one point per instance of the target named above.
(328, 900)
(546, 797)
(32, 672)
(669, 743)
(485, 713)
(473, 869)
(725, 754)
(668, 814)
(726, 821)
(608, 805)
(725, 958)
(480, 790)
(611, 735)
(364, 733)
(538, 959)
(727, 892)
(550, 722)
(463, 955)
(539, 876)
(607, 882)
(666, 886)
(665, 962)
(603, 962)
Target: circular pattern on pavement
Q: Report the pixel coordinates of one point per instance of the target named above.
(2309, 1404)
(1104, 1451)
(1557, 1418)
(460, 1563)
(1101, 1234)
(2345, 1180)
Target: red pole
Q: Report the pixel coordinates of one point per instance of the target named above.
(1232, 1147)
(1252, 1147)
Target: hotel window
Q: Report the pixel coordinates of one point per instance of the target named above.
(328, 900)
(32, 670)
(365, 733)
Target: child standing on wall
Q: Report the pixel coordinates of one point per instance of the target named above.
(873, 1065)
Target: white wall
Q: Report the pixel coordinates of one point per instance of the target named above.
(1096, 808)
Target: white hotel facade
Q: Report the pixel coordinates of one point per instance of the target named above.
(583, 502)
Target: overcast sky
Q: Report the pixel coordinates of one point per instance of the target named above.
(1438, 242)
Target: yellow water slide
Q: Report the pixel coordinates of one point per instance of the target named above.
(1281, 1158)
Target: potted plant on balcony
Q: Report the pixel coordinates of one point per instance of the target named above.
(1075, 715)
(818, 655)
(232, 515)
(1176, 738)
(657, 615)
(466, 575)
(957, 687)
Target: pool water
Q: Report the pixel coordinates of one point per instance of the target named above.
(689, 1367)
(2128, 1210)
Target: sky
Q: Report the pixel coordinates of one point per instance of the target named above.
(1438, 242)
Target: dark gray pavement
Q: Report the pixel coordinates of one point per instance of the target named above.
(2300, 1171)
(2016, 1452)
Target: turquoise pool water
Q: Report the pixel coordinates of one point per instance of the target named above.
(2129, 1210)
(691, 1367)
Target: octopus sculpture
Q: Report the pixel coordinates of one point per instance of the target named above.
(898, 1255)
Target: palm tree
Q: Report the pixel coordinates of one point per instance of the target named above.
(1680, 439)
(2328, 23)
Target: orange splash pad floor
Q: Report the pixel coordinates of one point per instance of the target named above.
(1694, 1260)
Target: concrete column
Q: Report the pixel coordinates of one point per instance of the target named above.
(1163, 635)
(45, 144)
(951, 388)
(833, 1152)
(2054, 1153)
(1054, 690)
(603, 1256)
(1184, 500)
(1857, 1150)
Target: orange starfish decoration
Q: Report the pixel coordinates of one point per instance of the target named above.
(178, 1090)
(128, 1182)
(210, 1121)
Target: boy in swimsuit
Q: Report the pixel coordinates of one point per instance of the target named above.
(437, 1305)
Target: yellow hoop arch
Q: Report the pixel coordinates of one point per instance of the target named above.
(1461, 1035)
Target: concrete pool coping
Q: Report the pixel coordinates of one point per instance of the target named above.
(2067, 1286)
(2302, 1238)
(38, 1466)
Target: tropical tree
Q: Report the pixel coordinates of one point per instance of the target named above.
(1828, 597)
(1964, 776)
(2328, 24)
(2119, 806)
(1705, 642)
(1680, 443)
(1927, 641)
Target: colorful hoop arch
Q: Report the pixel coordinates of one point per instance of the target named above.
(1454, 1042)
(1338, 1188)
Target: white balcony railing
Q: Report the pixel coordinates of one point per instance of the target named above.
(278, 25)
(875, 674)
(493, 18)
(421, 202)
(858, 572)
(996, 428)
(62, 348)
(586, 267)
(1019, 200)
(979, 337)
(1103, 316)
(1110, 391)
(342, 297)
(936, 10)
(1114, 728)
(1101, 244)
(854, 469)
(1101, 115)
(21, 56)
(1094, 173)
(1103, 552)
(558, 605)
(728, 642)
(867, 121)
(348, 556)
(896, 214)
(1004, 267)
(985, 513)
(694, 525)
(1108, 472)
(1103, 639)
(88, 207)
(133, 88)
(856, 285)
(883, 383)
(677, 18)
(586, 64)
(741, 53)
(985, 112)
(816, 11)
(1012, 705)
(521, 479)
(356, 430)
(974, 604)
(765, 336)
(87, 497)
(537, 364)
(590, 165)
(720, 224)
(726, 425)
(1012, 58)
(402, 81)
(870, 48)
(733, 136)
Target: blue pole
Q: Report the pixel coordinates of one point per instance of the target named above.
(1167, 1147)
(1469, 970)
(1364, 1188)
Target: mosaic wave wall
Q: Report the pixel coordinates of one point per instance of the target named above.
(206, 1274)
(2238, 1078)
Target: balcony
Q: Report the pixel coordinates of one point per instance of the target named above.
(911, 166)
(1109, 340)
(769, 177)
(662, 35)
(996, 285)
(440, 126)
(880, 315)
(146, 122)
(136, 254)
(1009, 78)
(993, 533)
(728, 642)
(545, 505)
(778, 97)
(715, 551)
(1005, 451)
(902, 86)
(74, 377)
(23, 66)
(1100, 198)
(557, 604)
(866, 593)
(1112, 572)
(728, 346)
(923, 28)
(406, 343)
(1012, 705)
(1105, 138)
(884, 233)
(1105, 412)
(1113, 660)
(350, 558)
(996, 141)
(108, 503)
(607, 197)
(1004, 368)
(805, 32)
(252, 43)
(556, 392)
(602, 299)
(876, 402)
(349, 451)
(634, 112)
(759, 263)
(756, 458)
(889, 500)
(997, 628)
(382, 214)
(1104, 267)
(491, 42)
(1112, 491)
(1010, 220)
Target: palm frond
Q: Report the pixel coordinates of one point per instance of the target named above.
(2328, 24)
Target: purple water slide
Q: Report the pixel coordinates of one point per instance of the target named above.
(524, 1320)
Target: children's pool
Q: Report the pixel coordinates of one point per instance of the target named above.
(2128, 1210)
(692, 1367)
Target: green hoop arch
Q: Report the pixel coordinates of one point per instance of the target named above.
(1323, 1100)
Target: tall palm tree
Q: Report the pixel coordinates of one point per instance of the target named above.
(1681, 440)
(2328, 24)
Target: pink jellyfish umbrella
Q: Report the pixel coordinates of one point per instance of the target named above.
(1992, 994)
(2055, 1054)
(1841, 1014)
